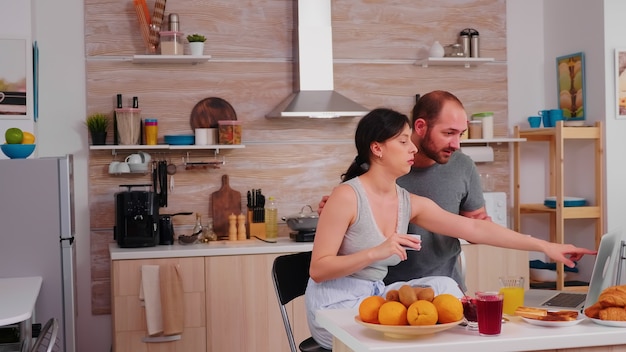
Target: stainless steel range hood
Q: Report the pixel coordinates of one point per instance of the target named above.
(314, 94)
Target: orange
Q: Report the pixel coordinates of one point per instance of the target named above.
(368, 309)
(392, 313)
(422, 312)
(449, 308)
(29, 138)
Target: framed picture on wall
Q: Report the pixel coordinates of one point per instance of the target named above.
(620, 83)
(14, 78)
(570, 70)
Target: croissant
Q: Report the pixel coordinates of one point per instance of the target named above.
(614, 296)
(613, 313)
(593, 311)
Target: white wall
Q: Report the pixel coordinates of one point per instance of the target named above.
(614, 29)
(538, 31)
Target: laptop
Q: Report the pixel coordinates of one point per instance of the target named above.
(607, 271)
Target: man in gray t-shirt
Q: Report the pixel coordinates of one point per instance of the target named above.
(447, 177)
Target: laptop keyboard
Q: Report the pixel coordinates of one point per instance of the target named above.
(562, 299)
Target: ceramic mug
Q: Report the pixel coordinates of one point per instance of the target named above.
(134, 159)
(123, 168)
(534, 121)
(555, 115)
(145, 157)
(545, 114)
(113, 167)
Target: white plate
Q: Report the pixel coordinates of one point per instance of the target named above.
(580, 318)
(618, 324)
(407, 331)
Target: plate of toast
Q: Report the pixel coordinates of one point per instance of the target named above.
(550, 318)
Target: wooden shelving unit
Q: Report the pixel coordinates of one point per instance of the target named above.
(556, 136)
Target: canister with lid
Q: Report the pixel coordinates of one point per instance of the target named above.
(487, 123)
(475, 129)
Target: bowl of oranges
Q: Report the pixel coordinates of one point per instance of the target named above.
(409, 312)
(18, 144)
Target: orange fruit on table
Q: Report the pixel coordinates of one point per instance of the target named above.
(449, 308)
(422, 312)
(29, 138)
(368, 309)
(392, 313)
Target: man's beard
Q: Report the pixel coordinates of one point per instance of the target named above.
(427, 148)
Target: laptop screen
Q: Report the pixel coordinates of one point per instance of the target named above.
(607, 266)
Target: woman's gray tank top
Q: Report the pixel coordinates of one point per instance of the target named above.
(364, 233)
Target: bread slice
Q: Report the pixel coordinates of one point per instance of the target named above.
(530, 313)
(544, 314)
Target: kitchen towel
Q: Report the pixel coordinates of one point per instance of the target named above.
(150, 293)
(171, 300)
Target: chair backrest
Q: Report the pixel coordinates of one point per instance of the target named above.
(290, 274)
(48, 340)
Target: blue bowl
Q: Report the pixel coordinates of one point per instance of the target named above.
(17, 151)
(183, 139)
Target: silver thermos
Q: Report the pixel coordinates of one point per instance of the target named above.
(468, 38)
(474, 44)
(464, 40)
(174, 25)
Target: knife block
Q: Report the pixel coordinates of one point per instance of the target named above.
(255, 228)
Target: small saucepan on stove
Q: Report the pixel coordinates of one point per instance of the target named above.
(306, 220)
(166, 228)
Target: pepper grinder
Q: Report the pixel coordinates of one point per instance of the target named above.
(232, 227)
(241, 227)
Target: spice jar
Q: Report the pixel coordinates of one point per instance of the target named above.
(151, 131)
(229, 131)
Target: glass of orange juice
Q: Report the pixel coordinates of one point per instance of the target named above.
(512, 288)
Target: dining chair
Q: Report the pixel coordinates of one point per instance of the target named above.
(48, 340)
(290, 274)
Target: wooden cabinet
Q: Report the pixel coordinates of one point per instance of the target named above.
(230, 305)
(128, 315)
(242, 308)
(556, 138)
(484, 265)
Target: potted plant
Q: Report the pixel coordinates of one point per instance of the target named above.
(97, 125)
(196, 44)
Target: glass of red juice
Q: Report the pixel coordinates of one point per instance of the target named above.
(469, 312)
(489, 313)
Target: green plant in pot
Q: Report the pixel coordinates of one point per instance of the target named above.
(196, 44)
(97, 124)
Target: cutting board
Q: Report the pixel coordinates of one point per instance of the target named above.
(224, 202)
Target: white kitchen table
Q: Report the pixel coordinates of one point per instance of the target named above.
(18, 296)
(17, 304)
(516, 335)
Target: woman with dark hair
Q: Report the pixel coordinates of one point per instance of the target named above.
(362, 230)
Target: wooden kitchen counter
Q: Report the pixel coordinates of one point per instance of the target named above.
(216, 248)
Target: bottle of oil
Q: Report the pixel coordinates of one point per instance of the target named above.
(271, 219)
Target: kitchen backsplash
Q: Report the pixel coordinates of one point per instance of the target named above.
(297, 161)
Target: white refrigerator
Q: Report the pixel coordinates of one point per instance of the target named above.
(37, 234)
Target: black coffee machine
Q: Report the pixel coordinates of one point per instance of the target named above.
(136, 218)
